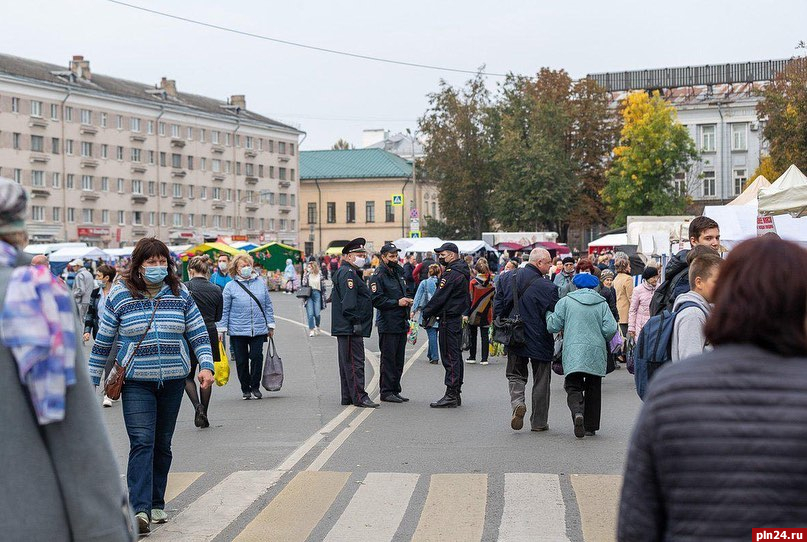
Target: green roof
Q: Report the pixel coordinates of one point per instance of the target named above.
(353, 164)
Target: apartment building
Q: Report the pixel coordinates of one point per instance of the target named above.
(109, 161)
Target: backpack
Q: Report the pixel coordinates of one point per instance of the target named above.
(654, 346)
(663, 298)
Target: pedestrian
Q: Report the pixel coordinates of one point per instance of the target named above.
(351, 322)
(719, 446)
(104, 279)
(290, 275)
(83, 285)
(409, 274)
(48, 406)
(623, 286)
(421, 272)
(40, 259)
(210, 301)
(248, 317)
(565, 274)
(425, 292)
(156, 321)
(537, 296)
(314, 303)
(689, 336)
(480, 313)
(388, 292)
(607, 291)
(583, 265)
(639, 312)
(221, 274)
(587, 325)
(449, 303)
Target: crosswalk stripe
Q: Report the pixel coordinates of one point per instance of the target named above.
(598, 500)
(296, 511)
(533, 508)
(179, 482)
(211, 513)
(376, 510)
(454, 509)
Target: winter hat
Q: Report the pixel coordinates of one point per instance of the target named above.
(13, 203)
(568, 259)
(649, 273)
(585, 280)
(606, 274)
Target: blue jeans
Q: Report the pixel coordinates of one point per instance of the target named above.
(313, 308)
(433, 352)
(150, 414)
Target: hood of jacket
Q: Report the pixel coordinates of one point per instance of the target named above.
(676, 264)
(586, 296)
(461, 267)
(647, 286)
(693, 297)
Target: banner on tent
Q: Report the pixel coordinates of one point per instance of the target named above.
(765, 225)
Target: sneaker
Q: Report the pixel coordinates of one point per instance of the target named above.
(107, 402)
(579, 430)
(158, 516)
(312, 333)
(434, 361)
(470, 361)
(518, 417)
(483, 362)
(256, 393)
(246, 396)
(143, 523)
(318, 330)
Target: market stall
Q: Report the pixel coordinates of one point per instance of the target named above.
(273, 256)
(786, 196)
(608, 242)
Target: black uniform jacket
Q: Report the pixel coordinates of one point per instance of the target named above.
(387, 286)
(452, 298)
(351, 303)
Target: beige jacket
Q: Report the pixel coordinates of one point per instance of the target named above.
(623, 286)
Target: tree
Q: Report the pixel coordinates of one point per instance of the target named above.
(342, 145)
(767, 169)
(653, 148)
(459, 154)
(783, 112)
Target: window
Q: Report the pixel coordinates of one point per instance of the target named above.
(68, 146)
(152, 218)
(283, 223)
(262, 222)
(229, 222)
(284, 198)
(271, 145)
(137, 186)
(37, 213)
(249, 142)
(163, 219)
(190, 162)
(389, 211)
(292, 200)
(739, 136)
(56, 180)
(121, 185)
(203, 163)
(237, 140)
(18, 175)
(70, 181)
(86, 182)
(707, 138)
(249, 169)
(177, 190)
(216, 193)
(203, 192)
(104, 118)
(68, 114)
(271, 198)
(86, 149)
(37, 178)
(250, 223)
(434, 209)
(189, 133)
(331, 210)
(119, 153)
(121, 218)
(238, 168)
(350, 212)
(202, 134)
(190, 191)
(190, 220)
(150, 128)
(175, 130)
(281, 147)
(134, 124)
(105, 216)
(104, 184)
(281, 173)
(162, 132)
(36, 111)
(214, 137)
(136, 155)
(291, 174)
(151, 157)
(37, 143)
(369, 211)
(104, 150)
(272, 224)
(86, 216)
(739, 181)
(260, 170)
(71, 214)
(679, 184)
(177, 220)
(293, 225)
(54, 111)
(291, 149)
(16, 139)
(708, 184)
(216, 165)
(15, 105)
(57, 214)
(216, 221)
(228, 167)
(271, 172)
(227, 138)
(162, 159)
(55, 144)
(137, 218)
(260, 144)
(176, 160)
(86, 116)
(119, 122)
(229, 194)
(152, 188)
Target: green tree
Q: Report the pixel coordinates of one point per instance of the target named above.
(783, 111)
(459, 154)
(653, 148)
(342, 145)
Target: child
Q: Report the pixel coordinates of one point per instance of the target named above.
(688, 338)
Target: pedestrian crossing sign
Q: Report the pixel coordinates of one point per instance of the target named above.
(414, 235)
(397, 200)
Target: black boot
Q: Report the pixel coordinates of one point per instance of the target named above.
(459, 396)
(449, 400)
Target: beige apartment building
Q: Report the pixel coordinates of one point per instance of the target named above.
(346, 194)
(109, 161)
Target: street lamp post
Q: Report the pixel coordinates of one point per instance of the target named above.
(412, 139)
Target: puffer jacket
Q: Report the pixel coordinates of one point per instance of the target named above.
(587, 325)
(640, 307)
(241, 316)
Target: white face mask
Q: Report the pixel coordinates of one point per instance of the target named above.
(359, 261)
(222, 266)
(246, 271)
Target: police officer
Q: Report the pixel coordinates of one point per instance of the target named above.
(451, 300)
(388, 289)
(351, 320)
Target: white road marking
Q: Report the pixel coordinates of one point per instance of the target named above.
(533, 504)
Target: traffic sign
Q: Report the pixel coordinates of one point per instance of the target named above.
(414, 235)
(414, 224)
(397, 200)
(414, 213)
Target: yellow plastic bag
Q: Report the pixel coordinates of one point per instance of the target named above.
(222, 367)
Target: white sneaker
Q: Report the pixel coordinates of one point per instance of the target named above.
(318, 330)
(312, 333)
(107, 402)
(470, 361)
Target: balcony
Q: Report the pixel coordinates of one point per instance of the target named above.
(250, 153)
(140, 230)
(218, 204)
(177, 143)
(40, 158)
(40, 192)
(218, 149)
(137, 137)
(178, 173)
(252, 206)
(252, 180)
(219, 176)
(89, 195)
(86, 129)
(285, 209)
(178, 202)
(284, 183)
(139, 198)
(283, 158)
(89, 162)
(138, 168)
(37, 122)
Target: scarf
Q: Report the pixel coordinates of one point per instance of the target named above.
(38, 326)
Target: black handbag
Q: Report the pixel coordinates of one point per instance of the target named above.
(509, 331)
(466, 338)
(304, 292)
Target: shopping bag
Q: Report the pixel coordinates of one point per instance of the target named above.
(272, 369)
(221, 368)
(466, 337)
(412, 335)
(557, 355)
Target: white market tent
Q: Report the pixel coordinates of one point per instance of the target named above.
(404, 242)
(751, 193)
(180, 249)
(81, 253)
(471, 247)
(609, 241)
(655, 243)
(124, 252)
(787, 195)
(51, 247)
(426, 244)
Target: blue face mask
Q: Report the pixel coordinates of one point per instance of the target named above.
(246, 271)
(155, 275)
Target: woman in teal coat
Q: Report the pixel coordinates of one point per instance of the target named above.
(587, 324)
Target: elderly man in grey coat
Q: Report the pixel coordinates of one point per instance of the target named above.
(83, 286)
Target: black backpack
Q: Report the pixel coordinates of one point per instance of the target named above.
(663, 296)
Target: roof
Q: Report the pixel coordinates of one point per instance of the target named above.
(353, 164)
(52, 74)
(400, 145)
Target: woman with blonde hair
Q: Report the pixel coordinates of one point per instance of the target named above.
(314, 303)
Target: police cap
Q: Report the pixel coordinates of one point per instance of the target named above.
(356, 245)
(447, 247)
(389, 247)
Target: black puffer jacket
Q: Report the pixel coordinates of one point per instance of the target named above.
(718, 449)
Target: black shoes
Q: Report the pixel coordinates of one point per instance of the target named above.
(450, 400)
(256, 393)
(367, 403)
(579, 430)
(346, 402)
(402, 398)
(392, 398)
(246, 396)
(591, 433)
(200, 420)
(518, 417)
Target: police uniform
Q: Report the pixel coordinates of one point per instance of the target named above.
(387, 287)
(450, 302)
(351, 321)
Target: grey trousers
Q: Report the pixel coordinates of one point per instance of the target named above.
(517, 374)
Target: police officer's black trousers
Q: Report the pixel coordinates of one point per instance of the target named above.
(450, 339)
(393, 354)
(351, 367)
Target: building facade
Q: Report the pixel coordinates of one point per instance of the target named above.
(109, 161)
(346, 194)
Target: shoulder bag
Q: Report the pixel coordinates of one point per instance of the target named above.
(114, 381)
(510, 330)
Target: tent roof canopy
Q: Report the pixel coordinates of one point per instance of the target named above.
(751, 193)
(610, 240)
(82, 253)
(281, 245)
(471, 246)
(787, 195)
(216, 246)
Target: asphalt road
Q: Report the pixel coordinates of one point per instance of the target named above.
(299, 466)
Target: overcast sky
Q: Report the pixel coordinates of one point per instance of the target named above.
(331, 96)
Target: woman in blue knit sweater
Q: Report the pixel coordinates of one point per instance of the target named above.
(150, 307)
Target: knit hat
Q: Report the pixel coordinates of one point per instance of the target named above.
(13, 204)
(568, 259)
(649, 273)
(606, 274)
(585, 280)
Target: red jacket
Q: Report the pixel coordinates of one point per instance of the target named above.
(481, 287)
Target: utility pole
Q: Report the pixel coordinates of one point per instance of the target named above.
(414, 173)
